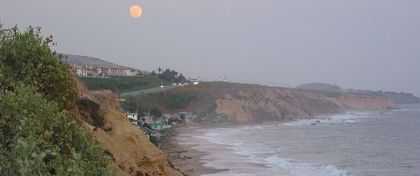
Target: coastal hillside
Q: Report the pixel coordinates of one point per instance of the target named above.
(242, 103)
(395, 97)
(402, 98)
(320, 86)
(131, 152)
(87, 60)
(52, 125)
(121, 84)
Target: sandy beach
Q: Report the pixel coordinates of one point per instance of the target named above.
(182, 156)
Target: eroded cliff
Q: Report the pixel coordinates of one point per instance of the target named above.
(242, 103)
(130, 150)
(256, 104)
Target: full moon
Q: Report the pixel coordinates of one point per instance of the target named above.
(136, 11)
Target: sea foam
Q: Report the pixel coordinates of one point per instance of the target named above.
(263, 156)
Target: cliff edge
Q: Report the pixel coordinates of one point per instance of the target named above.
(243, 103)
(130, 150)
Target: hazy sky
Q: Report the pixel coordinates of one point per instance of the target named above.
(364, 44)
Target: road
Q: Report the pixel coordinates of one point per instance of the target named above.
(148, 91)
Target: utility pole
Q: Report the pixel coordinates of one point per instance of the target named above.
(137, 109)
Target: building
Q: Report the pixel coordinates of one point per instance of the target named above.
(187, 117)
(146, 119)
(160, 126)
(155, 124)
(79, 70)
(90, 71)
(132, 116)
(130, 72)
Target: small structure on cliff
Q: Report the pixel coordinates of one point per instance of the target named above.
(131, 116)
(187, 117)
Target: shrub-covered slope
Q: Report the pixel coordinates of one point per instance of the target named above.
(39, 135)
(51, 125)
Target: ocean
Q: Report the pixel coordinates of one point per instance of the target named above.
(351, 144)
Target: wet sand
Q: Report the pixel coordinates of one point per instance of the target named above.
(183, 157)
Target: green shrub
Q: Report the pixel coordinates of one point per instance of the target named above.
(38, 139)
(26, 57)
(37, 136)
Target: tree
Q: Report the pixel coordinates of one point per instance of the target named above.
(130, 104)
(141, 112)
(153, 73)
(140, 115)
(156, 113)
(172, 76)
(181, 79)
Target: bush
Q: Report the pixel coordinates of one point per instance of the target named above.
(37, 136)
(26, 57)
(38, 139)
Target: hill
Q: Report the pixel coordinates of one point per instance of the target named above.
(402, 98)
(395, 97)
(244, 103)
(91, 61)
(320, 87)
(52, 125)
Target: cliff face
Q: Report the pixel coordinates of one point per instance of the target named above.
(130, 150)
(253, 104)
(362, 101)
(244, 105)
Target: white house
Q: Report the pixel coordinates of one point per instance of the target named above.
(99, 70)
(128, 72)
(132, 116)
(82, 72)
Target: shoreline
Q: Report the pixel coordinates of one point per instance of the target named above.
(184, 157)
(187, 160)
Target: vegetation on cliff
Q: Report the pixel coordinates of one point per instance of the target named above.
(38, 135)
(402, 98)
(320, 87)
(170, 75)
(120, 84)
(244, 103)
(123, 84)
